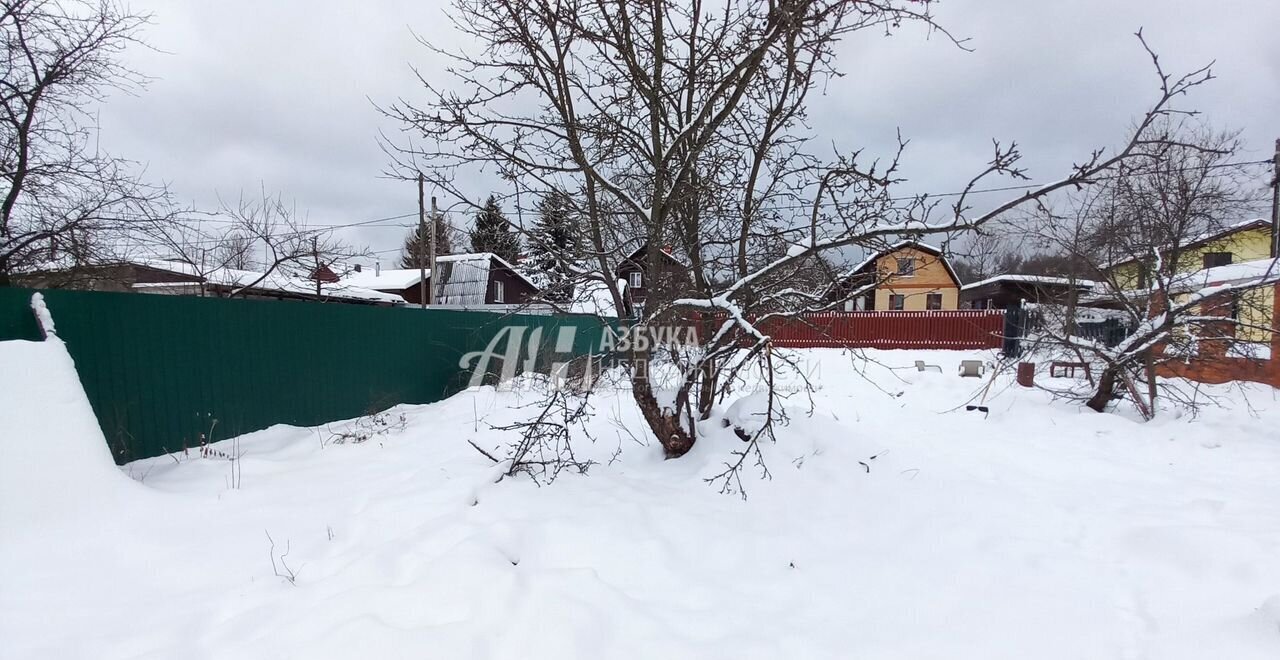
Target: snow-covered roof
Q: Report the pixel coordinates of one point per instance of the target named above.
(643, 246)
(448, 258)
(924, 247)
(1031, 279)
(1259, 272)
(464, 277)
(593, 297)
(1262, 271)
(390, 279)
(462, 281)
(275, 282)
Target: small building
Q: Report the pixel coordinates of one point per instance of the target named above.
(1006, 291)
(117, 276)
(907, 276)
(467, 280)
(176, 277)
(672, 276)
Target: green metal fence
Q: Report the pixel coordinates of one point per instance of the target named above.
(159, 370)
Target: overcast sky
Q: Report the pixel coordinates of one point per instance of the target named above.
(280, 93)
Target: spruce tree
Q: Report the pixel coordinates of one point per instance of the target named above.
(554, 243)
(490, 232)
(417, 244)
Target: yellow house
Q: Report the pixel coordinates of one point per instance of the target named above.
(1242, 242)
(1245, 241)
(908, 276)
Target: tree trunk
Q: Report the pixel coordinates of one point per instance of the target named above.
(1106, 390)
(707, 390)
(676, 440)
(1149, 363)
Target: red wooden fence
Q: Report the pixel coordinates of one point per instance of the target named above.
(966, 329)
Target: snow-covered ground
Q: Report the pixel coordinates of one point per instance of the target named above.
(895, 525)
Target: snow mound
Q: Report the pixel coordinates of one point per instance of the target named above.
(1040, 531)
(53, 456)
(748, 414)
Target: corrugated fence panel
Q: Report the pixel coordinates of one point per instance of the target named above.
(167, 372)
(964, 329)
(952, 329)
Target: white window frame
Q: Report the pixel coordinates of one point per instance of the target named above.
(635, 279)
(499, 292)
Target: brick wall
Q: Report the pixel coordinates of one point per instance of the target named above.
(1213, 365)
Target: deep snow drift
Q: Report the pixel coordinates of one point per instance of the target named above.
(55, 462)
(895, 525)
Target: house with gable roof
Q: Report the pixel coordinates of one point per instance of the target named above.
(907, 276)
(467, 280)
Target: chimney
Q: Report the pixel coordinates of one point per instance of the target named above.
(357, 269)
(377, 268)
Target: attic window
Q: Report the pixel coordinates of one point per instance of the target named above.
(1215, 259)
(499, 292)
(906, 266)
(636, 279)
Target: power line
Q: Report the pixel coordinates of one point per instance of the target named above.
(339, 225)
(388, 221)
(980, 191)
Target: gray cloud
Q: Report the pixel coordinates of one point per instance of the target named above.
(278, 94)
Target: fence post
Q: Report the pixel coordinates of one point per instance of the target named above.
(1013, 317)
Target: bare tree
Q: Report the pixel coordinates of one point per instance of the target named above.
(986, 253)
(60, 58)
(236, 251)
(1141, 233)
(229, 240)
(675, 124)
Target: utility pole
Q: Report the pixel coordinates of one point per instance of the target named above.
(315, 270)
(435, 218)
(1275, 204)
(422, 266)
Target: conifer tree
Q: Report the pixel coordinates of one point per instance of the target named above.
(553, 244)
(417, 244)
(490, 232)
